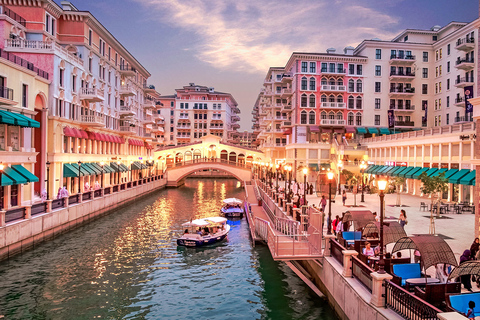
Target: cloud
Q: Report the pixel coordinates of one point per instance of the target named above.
(251, 35)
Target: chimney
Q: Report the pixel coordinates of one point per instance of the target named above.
(331, 50)
(348, 50)
(211, 89)
(68, 6)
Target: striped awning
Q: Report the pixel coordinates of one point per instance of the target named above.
(373, 130)
(361, 130)
(17, 119)
(457, 176)
(417, 174)
(469, 179)
(410, 173)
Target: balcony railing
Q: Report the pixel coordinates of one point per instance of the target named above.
(13, 15)
(333, 105)
(402, 90)
(128, 129)
(402, 74)
(22, 62)
(332, 122)
(464, 119)
(460, 61)
(404, 123)
(402, 107)
(333, 88)
(38, 45)
(6, 93)
(459, 100)
(127, 68)
(465, 43)
(465, 80)
(93, 120)
(335, 71)
(402, 57)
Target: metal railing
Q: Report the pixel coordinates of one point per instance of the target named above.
(73, 199)
(115, 188)
(6, 93)
(97, 193)
(336, 250)
(13, 15)
(15, 214)
(39, 208)
(58, 203)
(408, 305)
(106, 191)
(24, 63)
(87, 196)
(127, 68)
(362, 272)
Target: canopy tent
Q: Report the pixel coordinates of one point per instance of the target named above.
(467, 267)
(404, 172)
(377, 169)
(384, 131)
(17, 119)
(360, 218)
(392, 231)
(417, 174)
(394, 172)
(458, 175)
(399, 172)
(373, 130)
(24, 172)
(233, 201)
(433, 249)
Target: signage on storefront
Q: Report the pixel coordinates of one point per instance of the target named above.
(402, 164)
(472, 136)
(390, 163)
(455, 166)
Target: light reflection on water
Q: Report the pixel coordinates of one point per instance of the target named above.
(127, 266)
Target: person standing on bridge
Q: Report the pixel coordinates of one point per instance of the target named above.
(323, 202)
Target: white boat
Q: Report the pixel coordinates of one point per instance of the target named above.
(232, 208)
(201, 232)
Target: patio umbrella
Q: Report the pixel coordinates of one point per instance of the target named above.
(467, 267)
(392, 231)
(233, 201)
(360, 218)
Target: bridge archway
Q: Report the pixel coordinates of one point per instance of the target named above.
(224, 155)
(197, 154)
(232, 157)
(188, 156)
(241, 158)
(249, 160)
(178, 157)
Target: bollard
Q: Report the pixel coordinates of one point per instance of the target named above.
(327, 251)
(378, 290)
(347, 262)
(49, 205)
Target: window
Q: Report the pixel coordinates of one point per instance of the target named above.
(313, 67)
(378, 70)
(89, 37)
(350, 119)
(359, 69)
(359, 102)
(351, 86)
(74, 83)
(405, 39)
(303, 102)
(312, 83)
(448, 102)
(359, 86)
(324, 67)
(312, 101)
(186, 105)
(377, 103)
(181, 105)
(378, 54)
(436, 71)
(351, 102)
(358, 119)
(311, 117)
(434, 38)
(351, 69)
(448, 119)
(61, 80)
(304, 67)
(436, 88)
(24, 95)
(377, 119)
(303, 118)
(304, 83)
(116, 58)
(440, 70)
(378, 87)
(425, 73)
(425, 57)
(436, 55)
(424, 88)
(424, 104)
(448, 53)
(448, 66)
(440, 53)
(49, 24)
(90, 65)
(439, 87)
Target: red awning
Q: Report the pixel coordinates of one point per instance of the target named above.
(117, 139)
(288, 131)
(77, 132)
(122, 140)
(84, 134)
(109, 138)
(91, 135)
(340, 131)
(101, 137)
(68, 132)
(131, 142)
(314, 129)
(350, 129)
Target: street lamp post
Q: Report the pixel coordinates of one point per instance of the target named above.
(118, 172)
(382, 184)
(340, 165)
(48, 182)
(102, 164)
(305, 171)
(2, 166)
(276, 176)
(289, 169)
(131, 171)
(79, 166)
(329, 222)
(363, 166)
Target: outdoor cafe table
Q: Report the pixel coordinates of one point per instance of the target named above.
(420, 281)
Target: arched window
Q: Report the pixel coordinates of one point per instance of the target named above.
(304, 83)
(331, 115)
(331, 82)
(312, 101)
(358, 119)
(350, 119)
(304, 101)
(351, 102)
(324, 82)
(323, 98)
(303, 117)
(312, 83)
(323, 115)
(339, 98)
(311, 117)
(331, 98)
(359, 102)
(351, 86)
(339, 115)
(359, 85)
(340, 82)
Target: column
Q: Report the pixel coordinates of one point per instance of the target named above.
(28, 212)
(327, 238)
(378, 290)
(347, 262)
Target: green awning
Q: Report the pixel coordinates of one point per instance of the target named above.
(69, 171)
(313, 166)
(375, 170)
(124, 167)
(136, 166)
(384, 131)
(370, 168)
(431, 171)
(107, 168)
(410, 173)
(373, 130)
(457, 176)
(450, 173)
(24, 172)
(114, 166)
(437, 173)
(6, 181)
(384, 170)
(83, 170)
(389, 171)
(361, 130)
(395, 171)
(17, 119)
(469, 179)
(92, 168)
(404, 172)
(16, 177)
(97, 166)
(417, 174)
(144, 166)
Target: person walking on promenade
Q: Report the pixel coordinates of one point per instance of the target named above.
(335, 223)
(465, 279)
(474, 249)
(323, 203)
(344, 197)
(403, 218)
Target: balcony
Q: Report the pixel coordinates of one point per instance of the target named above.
(6, 96)
(149, 88)
(402, 59)
(401, 76)
(333, 105)
(286, 124)
(459, 102)
(236, 110)
(402, 108)
(286, 107)
(333, 88)
(92, 95)
(254, 112)
(127, 90)
(235, 118)
(334, 71)
(465, 64)
(148, 104)
(216, 127)
(148, 126)
(332, 122)
(156, 128)
(148, 119)
(402, 91)
(127, 71)
(183, 137)
(9, 13)
(92, 120)
(128, 130)
(404, 124)
(463, 119)
(463, 82)
(235, 126)
(127, 111)
(465, 44)
(183, 127)
(286, 92)
(286, 77)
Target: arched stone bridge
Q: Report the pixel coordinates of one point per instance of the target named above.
(178, 172)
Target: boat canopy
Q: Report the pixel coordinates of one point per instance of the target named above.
(232, 201)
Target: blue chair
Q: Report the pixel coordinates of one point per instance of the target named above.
(459, 302)
(407, 271)
(351, 236)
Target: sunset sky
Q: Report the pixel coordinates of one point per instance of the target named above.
(230, 44)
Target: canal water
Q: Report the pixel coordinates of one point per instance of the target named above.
(127, 266)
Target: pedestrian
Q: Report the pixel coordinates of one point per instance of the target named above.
(470, 311)
(402, 219)
(474, 249)
(339, 228)
(334, 224)
(344, 197)
(323, 203)
(311, 188)
(465, 279)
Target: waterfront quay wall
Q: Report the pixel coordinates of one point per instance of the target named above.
(24, 234)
